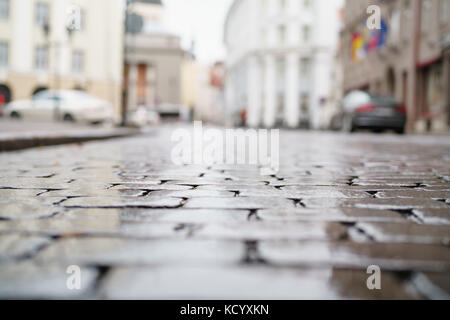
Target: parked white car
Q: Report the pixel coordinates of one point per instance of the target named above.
(66, 105)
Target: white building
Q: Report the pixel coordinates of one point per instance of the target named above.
(279, 62)
(38, 52)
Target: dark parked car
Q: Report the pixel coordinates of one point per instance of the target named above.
(362, 110)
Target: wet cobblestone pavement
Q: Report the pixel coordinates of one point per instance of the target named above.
(141, 227)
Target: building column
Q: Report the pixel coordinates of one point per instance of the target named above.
(321, 87)
(132, 86)
(254, 92)
(270, 91)
(291, 106)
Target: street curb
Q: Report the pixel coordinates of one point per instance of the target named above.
(32, 141)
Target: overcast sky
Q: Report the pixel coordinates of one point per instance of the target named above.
(202, 21)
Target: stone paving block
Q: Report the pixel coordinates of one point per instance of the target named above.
(203, 182)
(32, 183)
(247, 282)
(264, 230)
(264, 189)
(433, 216)
(348, 254)
(159, 187)
(433, 285)
(111, 202)
(27, 208)
(75, 184)
(398, 182)
(62, 227)
(239, 203)
(371, 203)
(377, 188)
(193, 193)
(11, 194)
(443, 187)
(304, 193)
(406, 232)
(129, 252)
(28, 280)
(93, 193)
(112, 227)
(330, 214)
(182, 216)
(310, 181)
(436, 195)
(15, 246)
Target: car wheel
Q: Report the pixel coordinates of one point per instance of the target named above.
(15, 115)
(400, 131)
(347, 124)
(68, 118)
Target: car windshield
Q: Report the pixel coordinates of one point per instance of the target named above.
(383, 100)
(77, 95)
(46, 95)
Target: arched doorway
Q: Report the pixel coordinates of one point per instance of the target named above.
(391, 81)
(38, 89)
(5, 94)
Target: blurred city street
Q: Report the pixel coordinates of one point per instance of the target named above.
(226, 149)
(140, 227)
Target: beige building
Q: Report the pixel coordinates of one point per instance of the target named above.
(61, 44)
(410, 60)
(153, 60)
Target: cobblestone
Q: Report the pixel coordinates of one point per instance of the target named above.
(140, 227)
(16, 246)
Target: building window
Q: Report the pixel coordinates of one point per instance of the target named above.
(77, 62)
(82, 20)
(395, 25)
(42, 14)
(3, 54)
(444, 10)
(281, 67)
(406, 19)
(304, 103)
(41, 58)
(306, 30)
(304, 66)
(426, 12)
(4, 9)
(281, 34)
(407, 4)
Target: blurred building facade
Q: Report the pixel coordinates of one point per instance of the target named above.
(409, 58)
(279, 62)
(153, 60)
(37, 50)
